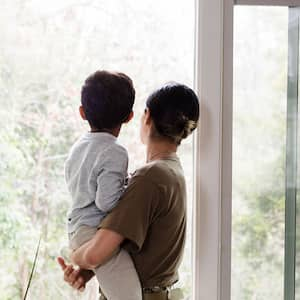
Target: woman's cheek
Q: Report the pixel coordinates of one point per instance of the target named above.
(142, 134)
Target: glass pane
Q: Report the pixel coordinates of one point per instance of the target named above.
(259, 151)
(297, 274)
(47, 50)
(291, 158)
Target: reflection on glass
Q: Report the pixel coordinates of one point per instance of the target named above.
(47, 49)
(259, 146)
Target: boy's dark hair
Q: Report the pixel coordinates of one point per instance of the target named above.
(107, 99)
(174, 109)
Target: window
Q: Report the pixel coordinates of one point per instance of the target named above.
(265, 126)
(47, 50)
(262, 105)
(259, 149)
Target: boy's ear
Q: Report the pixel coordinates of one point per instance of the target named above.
(129, 117)
(82, 113)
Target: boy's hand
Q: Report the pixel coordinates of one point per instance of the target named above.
(76, 278)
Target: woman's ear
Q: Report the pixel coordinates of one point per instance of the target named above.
(82, 113)
(147, 117)
(131, 115)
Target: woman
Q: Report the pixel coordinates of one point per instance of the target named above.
(150, 219)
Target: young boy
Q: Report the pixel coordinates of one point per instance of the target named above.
(96, 172)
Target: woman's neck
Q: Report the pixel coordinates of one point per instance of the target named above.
(158, 150)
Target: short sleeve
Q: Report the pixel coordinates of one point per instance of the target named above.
(135, 211)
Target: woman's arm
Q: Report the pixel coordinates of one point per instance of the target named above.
(98, 250)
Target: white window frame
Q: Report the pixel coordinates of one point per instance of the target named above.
(268, 2)
(213, 146)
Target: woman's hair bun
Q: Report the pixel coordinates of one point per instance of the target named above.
(189, 127)
(174, 109)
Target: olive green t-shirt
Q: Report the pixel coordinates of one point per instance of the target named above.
(151, 215)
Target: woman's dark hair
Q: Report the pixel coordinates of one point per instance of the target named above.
(174, 109)
(107, 99)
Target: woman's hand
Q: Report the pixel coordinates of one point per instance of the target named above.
(76, 278)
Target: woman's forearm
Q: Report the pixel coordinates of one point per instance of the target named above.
(78, 257)
(98, 250)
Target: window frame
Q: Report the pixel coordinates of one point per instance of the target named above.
(213, 146)
(268, 2)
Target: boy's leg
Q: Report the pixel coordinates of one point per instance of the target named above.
(81, 236)
(118, 278)
(76, 239)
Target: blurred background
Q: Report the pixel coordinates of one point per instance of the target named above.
(47, 50)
